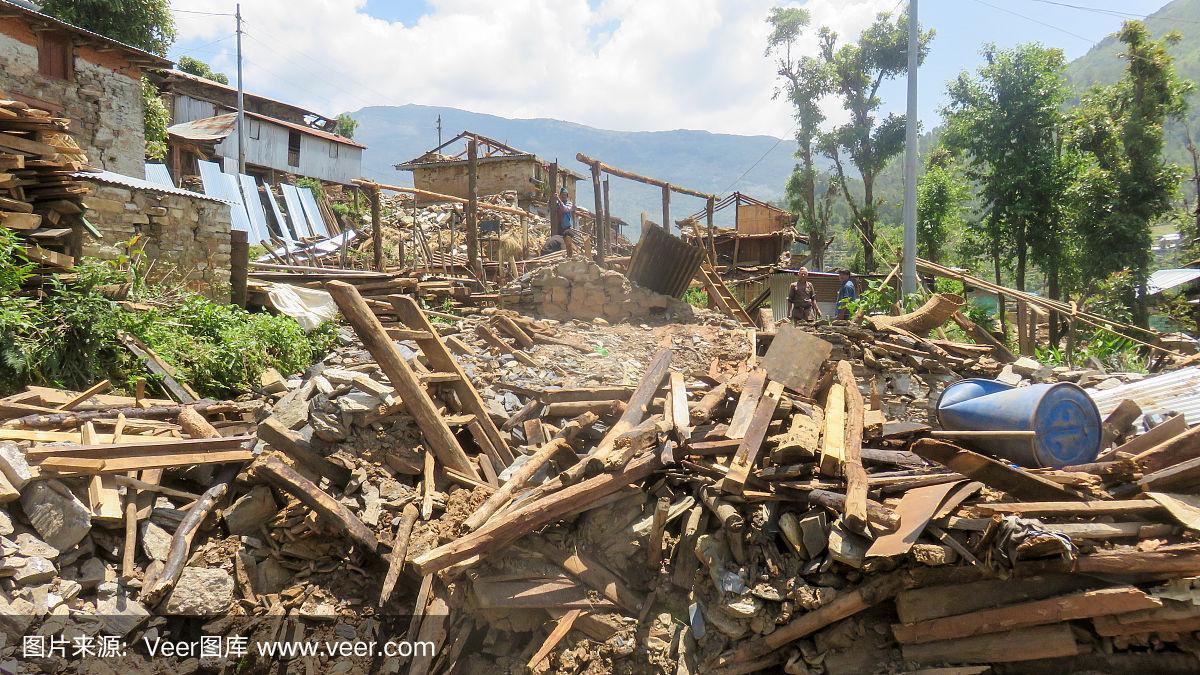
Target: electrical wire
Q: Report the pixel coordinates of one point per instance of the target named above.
(1043, 23)
(1114, 12)
(756, 163)
(193, 11)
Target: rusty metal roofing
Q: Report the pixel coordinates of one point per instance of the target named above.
(219, 127)
(1177, 391)
(122, 180)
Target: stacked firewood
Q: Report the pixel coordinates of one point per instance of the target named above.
(39, 196)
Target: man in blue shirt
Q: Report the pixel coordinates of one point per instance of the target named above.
(846, 291)
(566, 220)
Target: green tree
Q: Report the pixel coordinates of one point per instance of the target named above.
(820, 229)
(346, 125)
(1127, 184)
(804, 80)
(201, 69)
(940, 198)
(156, 119)
(142, 23)
(1007, 123)
(857, 71)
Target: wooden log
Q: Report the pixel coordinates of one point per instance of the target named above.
(702, 410)
(1082, 605)
(621, 173)
(76, 419)
(181, 544)
(635, 412)
(514, 331)
(528, 518)
(435, 430)
(523, 475)
(573, 408)
(275, 472)
(747, 454)
(984, 337)
(408, 517)
(1027, 644)
(1019, 483)
(856, 477)
(934, 602)
(877, 514)
(657, 527)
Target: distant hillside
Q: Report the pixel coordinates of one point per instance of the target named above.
(1104, 65)
(696, 159)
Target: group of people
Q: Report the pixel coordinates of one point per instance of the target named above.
(802, 297)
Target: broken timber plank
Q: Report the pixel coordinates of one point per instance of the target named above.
(181, 391)
(747, 404)
(1084, 605)
(795, 358)
(98, 388)
(273, 432)
(275, 472)
(527, 518)
(747, 452)
(561, 627)
(435, 430)
(856, 477)
(1027, 644)
(833, 444)
(1073, 509)
(1018, 483)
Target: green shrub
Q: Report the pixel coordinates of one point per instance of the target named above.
(69, 338)
(696, 296)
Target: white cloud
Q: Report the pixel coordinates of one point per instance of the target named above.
(623, 64)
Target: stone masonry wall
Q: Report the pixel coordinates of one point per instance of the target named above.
(186, 235)
(103, 99)
(581, 289)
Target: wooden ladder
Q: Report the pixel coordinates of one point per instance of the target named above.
(447, 371)
(719, 293)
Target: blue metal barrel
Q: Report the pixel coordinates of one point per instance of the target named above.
(1064, 418)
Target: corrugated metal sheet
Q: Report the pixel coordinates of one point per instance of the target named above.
(309, 202)
(138, 184)
(280, 221)
(295, 211)
(158, 174)
(663, 263)
(1178, 391)
(205, 129)
(1163, 280)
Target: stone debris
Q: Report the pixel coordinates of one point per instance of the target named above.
(625, 485)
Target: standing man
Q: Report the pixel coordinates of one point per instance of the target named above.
(566, 220)
(846, 292)
(802, 299)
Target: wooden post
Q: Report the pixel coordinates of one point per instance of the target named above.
(601, 235)
(607, 223)
(710, 207)
(239, 260)
(376, 230)
(552, 212)
(473, 208)
(666, 201)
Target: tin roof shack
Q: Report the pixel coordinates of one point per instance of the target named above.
(281, 139)
(501, 168)
(90, 79)
(761, 234)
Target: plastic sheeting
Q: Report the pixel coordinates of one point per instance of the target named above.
(308, 306)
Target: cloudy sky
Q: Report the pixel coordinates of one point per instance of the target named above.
(613, 64)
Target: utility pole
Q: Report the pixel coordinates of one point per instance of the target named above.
(439, 128)
(909, 262)
(241, 113)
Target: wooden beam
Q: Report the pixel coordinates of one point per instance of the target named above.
(747, 452)
(435, 430)
(833, 442)
(621, 173)
(1017, 482)
(275, 472)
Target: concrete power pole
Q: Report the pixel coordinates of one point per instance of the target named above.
(241, 113)
(909, 264)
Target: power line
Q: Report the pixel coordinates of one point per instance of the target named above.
(205, 45)
(1114, 12)
(1043, 23)
(192, 11)
(760, 159)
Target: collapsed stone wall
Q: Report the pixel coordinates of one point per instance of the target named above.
(581, 289)
(103, 98)
(189, 235)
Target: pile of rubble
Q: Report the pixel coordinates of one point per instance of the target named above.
(579, 288)
(566, 496)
